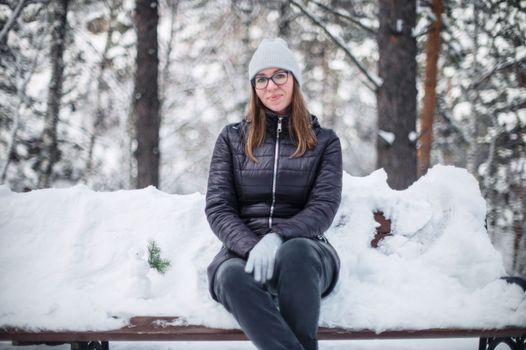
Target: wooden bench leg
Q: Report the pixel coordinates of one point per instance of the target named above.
(79, 346)
(514, 343)
(92, 345)
(483, 343)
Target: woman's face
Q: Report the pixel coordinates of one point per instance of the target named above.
(275, 97)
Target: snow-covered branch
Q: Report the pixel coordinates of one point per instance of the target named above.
(375, 80)
(11, 22)
(421, 32)
(22, 101)
(11, 4)
(498, 67)
(351, 19)
(165, 75)
(387, 136)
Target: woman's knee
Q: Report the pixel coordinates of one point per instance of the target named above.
(299, 252)
(229, 275)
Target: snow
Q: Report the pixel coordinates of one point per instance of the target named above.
(462, 110)
(387, 136)
(413, 136)
(81, 252)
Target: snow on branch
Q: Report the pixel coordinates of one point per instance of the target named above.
(413, 136)
(426, 22)
(375, 80)
(417, 32)
(387, 136)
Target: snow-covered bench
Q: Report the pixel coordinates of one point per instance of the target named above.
(74, 259)
(163, 328)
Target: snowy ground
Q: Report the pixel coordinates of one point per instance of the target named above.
(420, 344)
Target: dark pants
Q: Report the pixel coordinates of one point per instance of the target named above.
(303, 270)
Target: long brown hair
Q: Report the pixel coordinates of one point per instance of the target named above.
(300, 128)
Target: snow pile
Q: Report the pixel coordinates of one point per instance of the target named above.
(438, 269)
(77, 259)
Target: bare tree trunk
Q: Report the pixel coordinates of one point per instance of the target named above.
(330, 85)
(50, 152)
(131, 134)
(22, 96)
(429, 102)
(172, 7)
(284, 20)
(98, 123)
(474, 129)
(397, 96)
(518, 229)
(146, 94)
(22, 101)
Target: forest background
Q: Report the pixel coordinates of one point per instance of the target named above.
(122, 94)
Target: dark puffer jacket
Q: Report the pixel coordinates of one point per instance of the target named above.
(239, 197)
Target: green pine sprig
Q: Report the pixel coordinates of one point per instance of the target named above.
(154, 258)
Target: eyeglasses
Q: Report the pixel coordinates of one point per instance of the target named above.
(279, 78)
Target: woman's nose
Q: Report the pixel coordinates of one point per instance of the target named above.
(271, 85)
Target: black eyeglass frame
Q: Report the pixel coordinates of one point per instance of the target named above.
(253, 81)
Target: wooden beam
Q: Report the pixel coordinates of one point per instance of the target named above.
(164, 329)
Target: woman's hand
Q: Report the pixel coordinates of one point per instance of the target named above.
(262, 257)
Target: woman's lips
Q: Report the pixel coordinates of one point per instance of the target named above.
(274, 97)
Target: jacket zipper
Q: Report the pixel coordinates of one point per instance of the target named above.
(275, 173)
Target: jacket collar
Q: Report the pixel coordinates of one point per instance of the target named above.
(272, 121)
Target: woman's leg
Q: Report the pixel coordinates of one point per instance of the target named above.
(304, 270)
(253, 308)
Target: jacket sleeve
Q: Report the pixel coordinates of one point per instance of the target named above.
(221, 201)
(324, 198)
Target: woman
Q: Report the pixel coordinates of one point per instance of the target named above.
(273, 190)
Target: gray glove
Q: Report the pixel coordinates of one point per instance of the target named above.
(262, 257)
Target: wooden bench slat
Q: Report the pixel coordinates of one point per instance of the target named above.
(155, 329)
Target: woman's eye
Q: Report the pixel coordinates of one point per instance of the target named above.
(280, 76)
(261, 80)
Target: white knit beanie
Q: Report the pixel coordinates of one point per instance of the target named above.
(273, 53)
